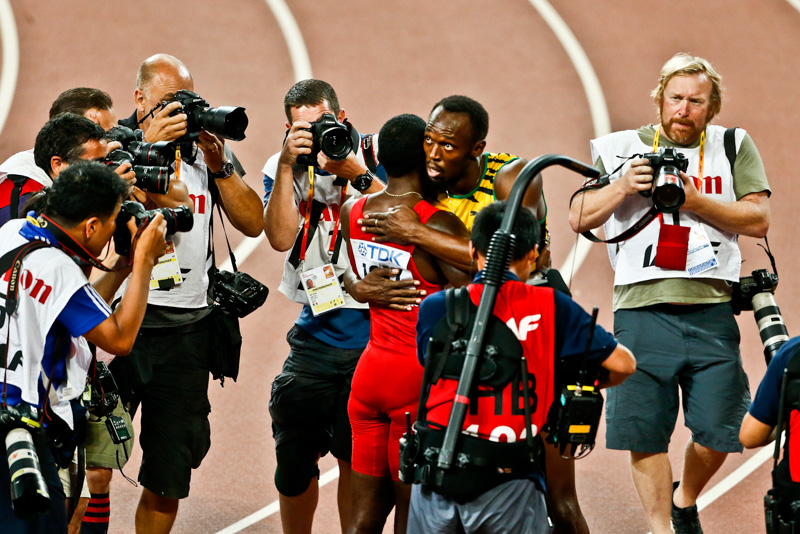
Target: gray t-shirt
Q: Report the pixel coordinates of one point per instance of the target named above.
(749, 176)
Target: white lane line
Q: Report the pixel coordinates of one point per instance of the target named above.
(10, 69)
(795, 4)
(301, 65)
(741, 472)
(274, 507)
(597, 108)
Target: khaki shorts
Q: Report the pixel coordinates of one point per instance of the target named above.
(100, 450)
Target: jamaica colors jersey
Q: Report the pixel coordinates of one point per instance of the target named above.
(465, 207)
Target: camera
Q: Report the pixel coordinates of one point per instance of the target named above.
(756, 293)
(153, 179)
(159, 154)
(228, 122)
(29, 494)
(238, 293)
(101, 394)
(178, 219)
(330, 136)
(667, 192)
(150, 162)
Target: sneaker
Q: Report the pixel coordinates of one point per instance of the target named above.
(685, 520)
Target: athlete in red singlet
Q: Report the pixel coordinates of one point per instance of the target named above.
(388, 377)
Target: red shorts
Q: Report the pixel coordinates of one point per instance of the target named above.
(385, 387)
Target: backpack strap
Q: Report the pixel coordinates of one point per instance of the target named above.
(729, 141)
(19, 182)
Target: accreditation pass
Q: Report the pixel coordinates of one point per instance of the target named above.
(322, 289)
(166, 273)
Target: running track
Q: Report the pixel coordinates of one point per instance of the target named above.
(544, 95)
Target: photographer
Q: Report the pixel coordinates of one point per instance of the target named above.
(308, 404)
(672, 287)
(550, 327)
(46, 358)
(167, 372)
(22, 174)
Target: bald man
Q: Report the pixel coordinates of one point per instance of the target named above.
(167, 371)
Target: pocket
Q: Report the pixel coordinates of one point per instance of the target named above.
(277, 395)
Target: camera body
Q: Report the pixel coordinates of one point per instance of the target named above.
(331, 137)
(228, 122)
(238, 293)
(179, 219)
(101, 394)
(667, 191)
(756, 293)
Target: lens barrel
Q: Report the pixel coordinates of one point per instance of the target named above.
(153, 179)
(29, 494)
(668, 193)
(229, 122)
(771, 327)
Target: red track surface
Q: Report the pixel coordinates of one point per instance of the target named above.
(386, 58)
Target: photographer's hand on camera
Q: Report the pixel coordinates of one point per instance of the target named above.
(164, 127)
(638, 178)
(298, 142)
(590, 209)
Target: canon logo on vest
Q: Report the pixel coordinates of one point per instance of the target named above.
(199, 202)
(37, 288)
(526, 324)
(710, 185)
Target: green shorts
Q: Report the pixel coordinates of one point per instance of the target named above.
(100, 450)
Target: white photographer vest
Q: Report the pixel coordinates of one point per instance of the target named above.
(48, 280)
(632, 259)
(318, 245)
(191, 247)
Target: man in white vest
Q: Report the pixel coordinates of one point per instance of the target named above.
(167, 371)
(672, 286)
(44, 336)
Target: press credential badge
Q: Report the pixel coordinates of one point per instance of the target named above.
(322, 289)
(167, 272)
(700, 257)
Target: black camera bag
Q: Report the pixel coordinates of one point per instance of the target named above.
(225, 312)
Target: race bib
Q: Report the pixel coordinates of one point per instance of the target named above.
(370, 255)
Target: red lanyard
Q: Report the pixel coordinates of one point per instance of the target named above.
(307, 216)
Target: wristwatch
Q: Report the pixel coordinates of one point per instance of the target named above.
(226, 172)
(363, 181)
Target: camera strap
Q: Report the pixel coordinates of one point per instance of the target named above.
(310, 220)
(68, 243)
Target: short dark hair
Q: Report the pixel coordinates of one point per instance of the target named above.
(85, 189)
(478, 116)
(64, 136)
(488, 220)
(79, 100)
(402, 148)
(310, 92)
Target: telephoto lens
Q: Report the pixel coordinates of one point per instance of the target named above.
(771, 327)
(29, 494)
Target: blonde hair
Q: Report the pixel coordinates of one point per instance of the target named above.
(682, 64)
